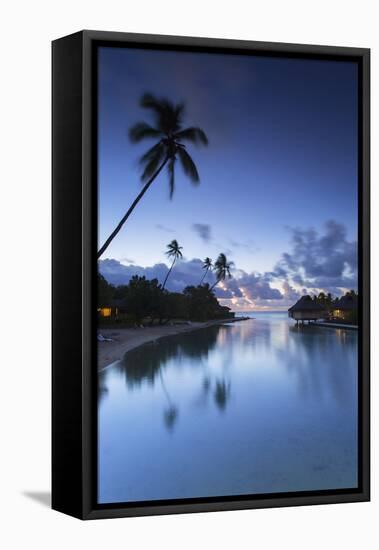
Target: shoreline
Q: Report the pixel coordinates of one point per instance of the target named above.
(335, 325)
(126, 339)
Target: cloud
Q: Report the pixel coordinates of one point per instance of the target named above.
(326, 261)
(223, 293)
(249, 245)
(232, 286)
(250, 288)
(185, 273)
(164, 228)
(290, 293)
(117, 273)
(317, 261)
(203, 230)
(219, 247)
(189, 272)
(255, 287)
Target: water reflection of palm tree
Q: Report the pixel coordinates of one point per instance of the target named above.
(143, 363)
(206, 384)
(219, 389)
(170, 414)
(222, 393)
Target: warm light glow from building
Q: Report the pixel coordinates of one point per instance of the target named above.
(105, 311)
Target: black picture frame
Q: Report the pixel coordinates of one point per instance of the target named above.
(74, 204)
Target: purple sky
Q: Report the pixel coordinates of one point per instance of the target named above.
(278, 190)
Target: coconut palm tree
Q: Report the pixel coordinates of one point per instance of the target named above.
(207, 265)
(170, 136)
(222, 268)
(173, 251)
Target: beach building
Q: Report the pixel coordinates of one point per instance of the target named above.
(346, 308)
(114, 309)
(307, 309)
(104, 311)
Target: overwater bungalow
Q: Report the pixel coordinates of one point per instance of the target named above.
(307, 309)
(345, 308)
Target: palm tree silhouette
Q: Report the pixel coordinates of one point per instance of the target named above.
(173, 251)
(207, 265)
(170, 134)
(222, 268)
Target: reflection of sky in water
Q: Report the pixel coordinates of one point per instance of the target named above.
(259, 406)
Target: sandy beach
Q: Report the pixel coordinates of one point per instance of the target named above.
(126, 339)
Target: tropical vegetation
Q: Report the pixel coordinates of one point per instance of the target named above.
(144, 301)
(344, 308)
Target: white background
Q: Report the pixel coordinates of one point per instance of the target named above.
(27, 27)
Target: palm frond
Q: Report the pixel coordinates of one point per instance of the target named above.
(173, 249)
(189, 166)
(167, 115)
(157, 149)
(170, 117)
(141, 131)
(151, 166)
(222, 267)
(193, 134)
(207, 264)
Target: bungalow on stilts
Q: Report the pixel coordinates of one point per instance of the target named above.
(307, 309)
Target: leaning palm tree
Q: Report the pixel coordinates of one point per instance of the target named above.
(207, 265)
(170, 136)
(222, 268)
(173, 251)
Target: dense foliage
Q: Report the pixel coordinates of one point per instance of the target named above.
(146, 301)
(332, 304)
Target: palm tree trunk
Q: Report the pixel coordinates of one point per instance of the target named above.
(215, 284)
(203, 277)
(134, 204)
(168, 274)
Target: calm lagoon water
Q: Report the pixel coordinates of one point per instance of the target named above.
(253, 407)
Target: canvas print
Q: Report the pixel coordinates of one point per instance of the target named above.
(227, 304)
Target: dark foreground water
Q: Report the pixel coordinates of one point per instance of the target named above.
(253, 407)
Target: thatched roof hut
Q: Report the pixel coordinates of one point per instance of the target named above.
(307, 309)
